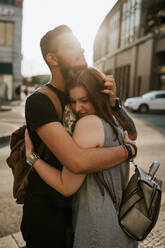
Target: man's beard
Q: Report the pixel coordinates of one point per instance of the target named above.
(69, 72)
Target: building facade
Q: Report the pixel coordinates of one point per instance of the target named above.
(10, 48)
(130, 43)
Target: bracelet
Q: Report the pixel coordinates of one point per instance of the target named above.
(32, 159)
(135, 148)
(125, 149)
(128, 147)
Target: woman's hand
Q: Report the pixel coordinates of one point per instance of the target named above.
(110, 89)
(29, 148)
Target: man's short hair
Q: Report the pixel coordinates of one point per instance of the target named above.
(48, 42)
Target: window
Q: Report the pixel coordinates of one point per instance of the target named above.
(113, 32)
(7, 1)
(18, 3)
(6, 31)
(160, 96)
(130, 21)
(6, 68)
(122, 78)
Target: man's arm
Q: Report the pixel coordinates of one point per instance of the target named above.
(73, 157)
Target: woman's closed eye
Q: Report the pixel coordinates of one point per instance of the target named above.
(84, 100)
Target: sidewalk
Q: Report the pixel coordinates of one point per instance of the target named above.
(14, 240)
(156, 239)
(7, 128)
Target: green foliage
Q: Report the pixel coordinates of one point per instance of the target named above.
(39, 80)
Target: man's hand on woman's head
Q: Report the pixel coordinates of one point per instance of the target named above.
(29, 148)
(110, 89)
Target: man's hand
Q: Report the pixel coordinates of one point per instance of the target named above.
(110, 89)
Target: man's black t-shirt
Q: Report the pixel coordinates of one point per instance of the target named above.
(39, 110)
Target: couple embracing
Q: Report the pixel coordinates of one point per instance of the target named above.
(65, 204)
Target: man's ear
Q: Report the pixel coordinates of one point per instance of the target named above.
(52, 59)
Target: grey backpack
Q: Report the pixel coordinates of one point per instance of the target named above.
(141, 202)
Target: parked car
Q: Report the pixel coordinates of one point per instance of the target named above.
(153, 100)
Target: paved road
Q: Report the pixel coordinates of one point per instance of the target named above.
(151, 141)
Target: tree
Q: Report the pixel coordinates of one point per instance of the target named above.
(36, 80)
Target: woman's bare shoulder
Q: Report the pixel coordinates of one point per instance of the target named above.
(89, 120)
(89, 130)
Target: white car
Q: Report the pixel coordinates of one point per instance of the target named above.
(153, 100)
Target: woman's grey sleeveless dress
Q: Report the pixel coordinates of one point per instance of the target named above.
(94, 216)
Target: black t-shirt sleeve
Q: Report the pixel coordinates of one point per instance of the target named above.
(39, 110)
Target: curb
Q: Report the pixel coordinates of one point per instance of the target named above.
(3, 109)
(4, 139)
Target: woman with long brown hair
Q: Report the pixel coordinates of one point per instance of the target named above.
(94, 212)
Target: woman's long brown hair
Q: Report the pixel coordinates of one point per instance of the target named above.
(93, 82)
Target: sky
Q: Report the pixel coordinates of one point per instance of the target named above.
(39, 16)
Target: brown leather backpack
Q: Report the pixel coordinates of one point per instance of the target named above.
(17, 160)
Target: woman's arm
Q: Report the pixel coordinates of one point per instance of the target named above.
(126, 122)
(65, 181)
(121, 115)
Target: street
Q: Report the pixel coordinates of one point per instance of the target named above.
(151, 146)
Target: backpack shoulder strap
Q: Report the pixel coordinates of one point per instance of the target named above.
(53, 98)
(102, 184)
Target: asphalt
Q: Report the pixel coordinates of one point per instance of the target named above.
(156, 239)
